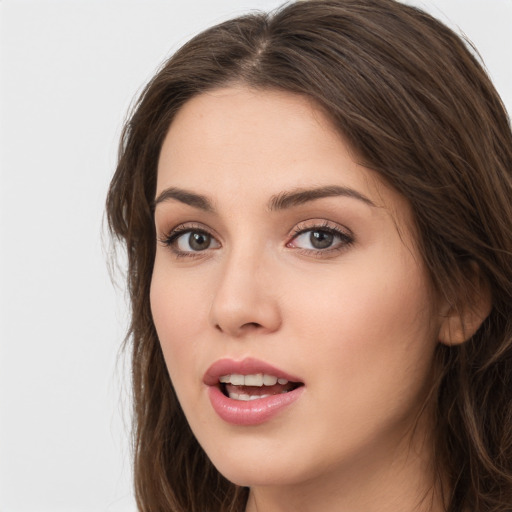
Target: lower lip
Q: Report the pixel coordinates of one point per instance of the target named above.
(252, 412)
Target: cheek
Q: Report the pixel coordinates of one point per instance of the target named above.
(370, 322)
(179, 312)
(367, 344)
(372, 297)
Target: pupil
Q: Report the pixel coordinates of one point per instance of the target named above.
(199, 241)
(321, 239)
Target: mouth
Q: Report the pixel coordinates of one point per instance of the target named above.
(255, 386)
(250, 392)
(249, 379)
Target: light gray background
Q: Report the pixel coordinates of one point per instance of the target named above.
(69, 70)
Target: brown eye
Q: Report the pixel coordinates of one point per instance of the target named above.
(199, 241)
(320, 239)
(194, 241)
(191, 241)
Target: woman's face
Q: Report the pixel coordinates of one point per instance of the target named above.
(280, 258)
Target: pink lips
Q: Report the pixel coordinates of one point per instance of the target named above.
(252, 412)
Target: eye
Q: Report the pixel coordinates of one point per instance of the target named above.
(320, 239)
(187, 241)
(194, 241)
(316, 239)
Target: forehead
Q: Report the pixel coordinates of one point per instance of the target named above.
(224, 120)
(238, 142)
(232, 129)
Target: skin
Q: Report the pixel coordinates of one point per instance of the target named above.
(358, 322)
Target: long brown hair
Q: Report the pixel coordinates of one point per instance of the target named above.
(419, 109)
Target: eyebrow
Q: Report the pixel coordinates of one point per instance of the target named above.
(300, 196)
(186, 197)
(281, 201)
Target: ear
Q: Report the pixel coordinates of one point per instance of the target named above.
(461, 321)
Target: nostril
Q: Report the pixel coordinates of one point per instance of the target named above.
(251, 324)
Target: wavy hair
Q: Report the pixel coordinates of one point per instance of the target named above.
(417, 106)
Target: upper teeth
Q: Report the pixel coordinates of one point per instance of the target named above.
(256, 379)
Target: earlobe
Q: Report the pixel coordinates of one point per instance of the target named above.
(460, 322)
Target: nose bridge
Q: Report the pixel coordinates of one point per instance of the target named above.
(244, 299)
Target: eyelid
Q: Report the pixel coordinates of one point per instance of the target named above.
(319, 224)
(170, 236)
(345, 235)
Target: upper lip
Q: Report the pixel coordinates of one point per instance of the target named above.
(247, 366)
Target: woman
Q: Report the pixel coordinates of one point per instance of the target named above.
(316, 209)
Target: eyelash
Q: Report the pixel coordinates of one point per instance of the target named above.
(170, 239)
(346, 239)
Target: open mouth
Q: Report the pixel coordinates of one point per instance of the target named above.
(250, 391)
(254, 386)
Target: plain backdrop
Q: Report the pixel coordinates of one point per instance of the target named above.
(69, 71)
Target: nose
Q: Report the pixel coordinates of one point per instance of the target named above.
(245, 300)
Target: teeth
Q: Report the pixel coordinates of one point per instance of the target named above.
(257, 379)
(244, 397)
(269, 380)
(254, 380)
(237, 380)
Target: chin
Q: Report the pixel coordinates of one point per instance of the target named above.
(262, 465)
(258, 475)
